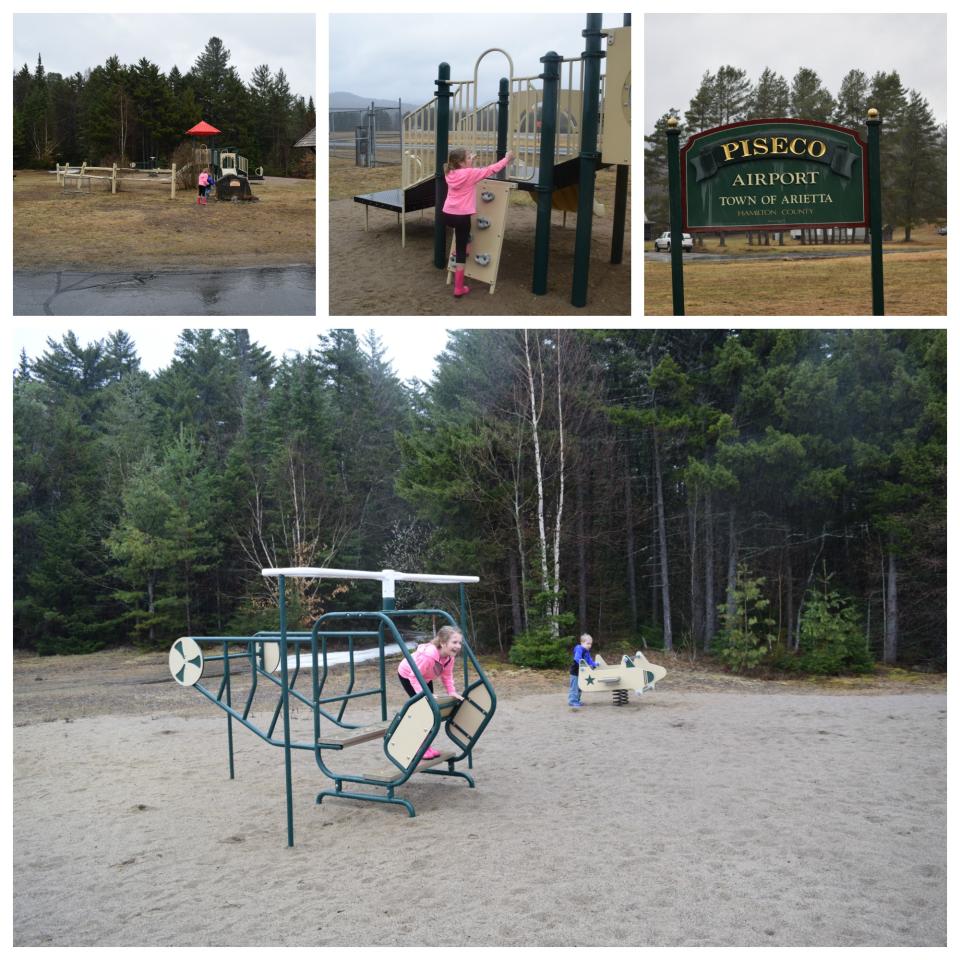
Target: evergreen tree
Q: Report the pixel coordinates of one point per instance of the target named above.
(851, 106)
(809, 99)
(771, 97)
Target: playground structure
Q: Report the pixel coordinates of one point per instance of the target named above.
(83, 177)
(272, 662)
(231, 171)
(632, 673)
(561, 125)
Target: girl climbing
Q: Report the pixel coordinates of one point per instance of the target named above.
(433, 659)
(461, 203)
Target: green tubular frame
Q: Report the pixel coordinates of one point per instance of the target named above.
(309, 650)
(464, 742)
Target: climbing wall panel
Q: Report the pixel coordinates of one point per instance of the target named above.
(487, 227)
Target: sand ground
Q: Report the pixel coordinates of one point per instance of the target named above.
(371, 274)
(708, 813)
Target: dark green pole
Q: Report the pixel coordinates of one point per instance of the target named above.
(588, 157)
(620, 200)
(676, 214)
(443, 144)
(548, 136)
(619, 214)
(387, 603)
(503, 117)
(285, 697)
(876, 210)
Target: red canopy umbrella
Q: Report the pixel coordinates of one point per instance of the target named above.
(202, 129)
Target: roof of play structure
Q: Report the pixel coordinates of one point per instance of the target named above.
(202, 129)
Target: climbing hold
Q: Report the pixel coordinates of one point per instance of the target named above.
(453, 259)
(186, 661)
(483, 259)
(482, 223)
(486, 196)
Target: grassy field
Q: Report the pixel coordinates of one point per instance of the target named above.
(762, 283)
(141, 227)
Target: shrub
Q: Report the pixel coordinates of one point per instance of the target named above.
(745, 640)
(538, 648)
(831, 640)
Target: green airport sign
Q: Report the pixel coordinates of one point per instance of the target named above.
(774, 173)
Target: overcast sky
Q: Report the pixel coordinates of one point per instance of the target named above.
(411, 356)
(679, 48)
(395, 55)
(70, 42)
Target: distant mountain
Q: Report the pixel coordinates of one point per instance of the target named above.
(341, 99)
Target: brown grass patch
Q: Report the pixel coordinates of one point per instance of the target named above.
(142, 227)
(915, 284)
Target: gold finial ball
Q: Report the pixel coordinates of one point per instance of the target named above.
(672, 122)
(873, 113)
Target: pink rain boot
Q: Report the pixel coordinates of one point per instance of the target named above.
(431, 754)
(460, 289)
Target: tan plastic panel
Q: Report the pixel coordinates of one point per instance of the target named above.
(616, 100)
(410, 732)
(489, 240)
(471, 713)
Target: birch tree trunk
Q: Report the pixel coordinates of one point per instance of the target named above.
(555, 609)
(538, 465)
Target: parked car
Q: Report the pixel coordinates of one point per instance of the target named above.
(663, 242)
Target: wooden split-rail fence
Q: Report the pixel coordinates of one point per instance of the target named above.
(84, 174)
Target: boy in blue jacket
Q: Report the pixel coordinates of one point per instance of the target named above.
(580, 652)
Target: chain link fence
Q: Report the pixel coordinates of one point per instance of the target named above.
(370, 136)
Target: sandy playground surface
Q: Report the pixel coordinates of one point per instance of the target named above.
(371, 274)
(712, 812)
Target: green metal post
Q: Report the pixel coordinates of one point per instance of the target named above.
(548, 136)
(443, 145)
(226, 677)
(874, 122)
(463, 630)
(503, 117)
(676, 215)
(588, 157)
(619, 214)
(387, 604)
(285, 697)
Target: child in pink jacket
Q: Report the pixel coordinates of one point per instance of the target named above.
(202, 182)
(433, 659)
(461, 203)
